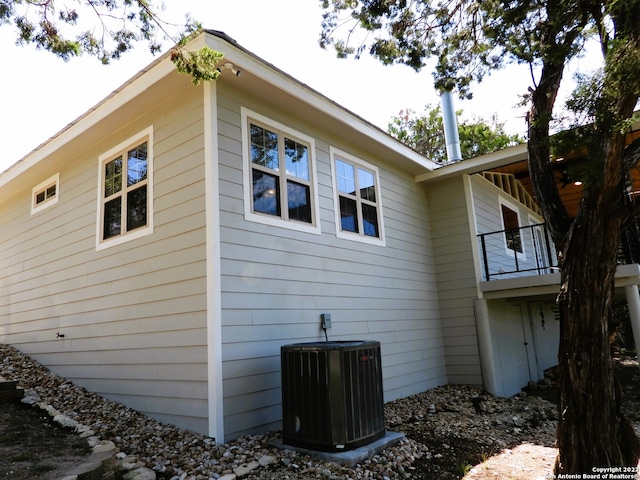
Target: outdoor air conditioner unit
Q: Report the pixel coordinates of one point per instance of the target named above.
(332, 396)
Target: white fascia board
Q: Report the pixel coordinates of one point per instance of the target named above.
(245, 60)
(133, 87)
(477, 164)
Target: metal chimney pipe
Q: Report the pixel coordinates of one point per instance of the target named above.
(452, 139)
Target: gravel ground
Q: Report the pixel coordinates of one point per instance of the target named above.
(448, 430)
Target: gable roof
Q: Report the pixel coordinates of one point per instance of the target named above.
(260, 77)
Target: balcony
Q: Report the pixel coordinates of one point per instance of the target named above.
(517, 252)
(524, 260)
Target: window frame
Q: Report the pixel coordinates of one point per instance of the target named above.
(53, 181)
(282, 220)
(502, 202)
(337, 154)
(122, 149)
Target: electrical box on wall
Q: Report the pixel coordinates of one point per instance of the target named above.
(325, 318)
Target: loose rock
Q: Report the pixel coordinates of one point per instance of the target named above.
(446, 428)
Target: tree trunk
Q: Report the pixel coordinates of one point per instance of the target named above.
(591, 429)
(592, 432)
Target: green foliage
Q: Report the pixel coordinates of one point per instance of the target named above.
(467, 38)
(589, 118)
(53, 25)
(464, 468)
(425, 134)
(200, 64)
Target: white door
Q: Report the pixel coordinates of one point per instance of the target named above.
(540, 247)
(515, 348)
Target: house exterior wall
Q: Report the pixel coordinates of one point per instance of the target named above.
(132, 315)
(487, 201)
(525, 335)
(524, 332)
(276, 282)
(456, 279)
(131, 321)
(545, 328)
(510, 333)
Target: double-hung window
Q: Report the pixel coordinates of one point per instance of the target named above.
(125, 191)
(357, 199)
(279, 175)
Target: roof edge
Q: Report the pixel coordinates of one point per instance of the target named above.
(382, 136)
(150, 74)
(163, 66)
(478, 164)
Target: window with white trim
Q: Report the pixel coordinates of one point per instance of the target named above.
(357, 198)
(45, 194)
(125, 191)
(511, 225)
(279, 175)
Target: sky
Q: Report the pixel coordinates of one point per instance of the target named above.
(41, 93)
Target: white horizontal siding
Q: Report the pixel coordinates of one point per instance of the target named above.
(276, 282)
(486, 199)
(187, 354)
(457, 286)
(133, 316)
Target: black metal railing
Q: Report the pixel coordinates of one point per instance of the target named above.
(529, 251)
(517, 252)
(629, 245)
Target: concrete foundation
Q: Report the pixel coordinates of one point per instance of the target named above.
(349, 457)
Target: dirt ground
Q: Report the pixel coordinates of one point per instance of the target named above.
(529, 455)
(31, 447)
(529, 461)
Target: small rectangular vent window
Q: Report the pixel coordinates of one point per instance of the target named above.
(45, 194)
